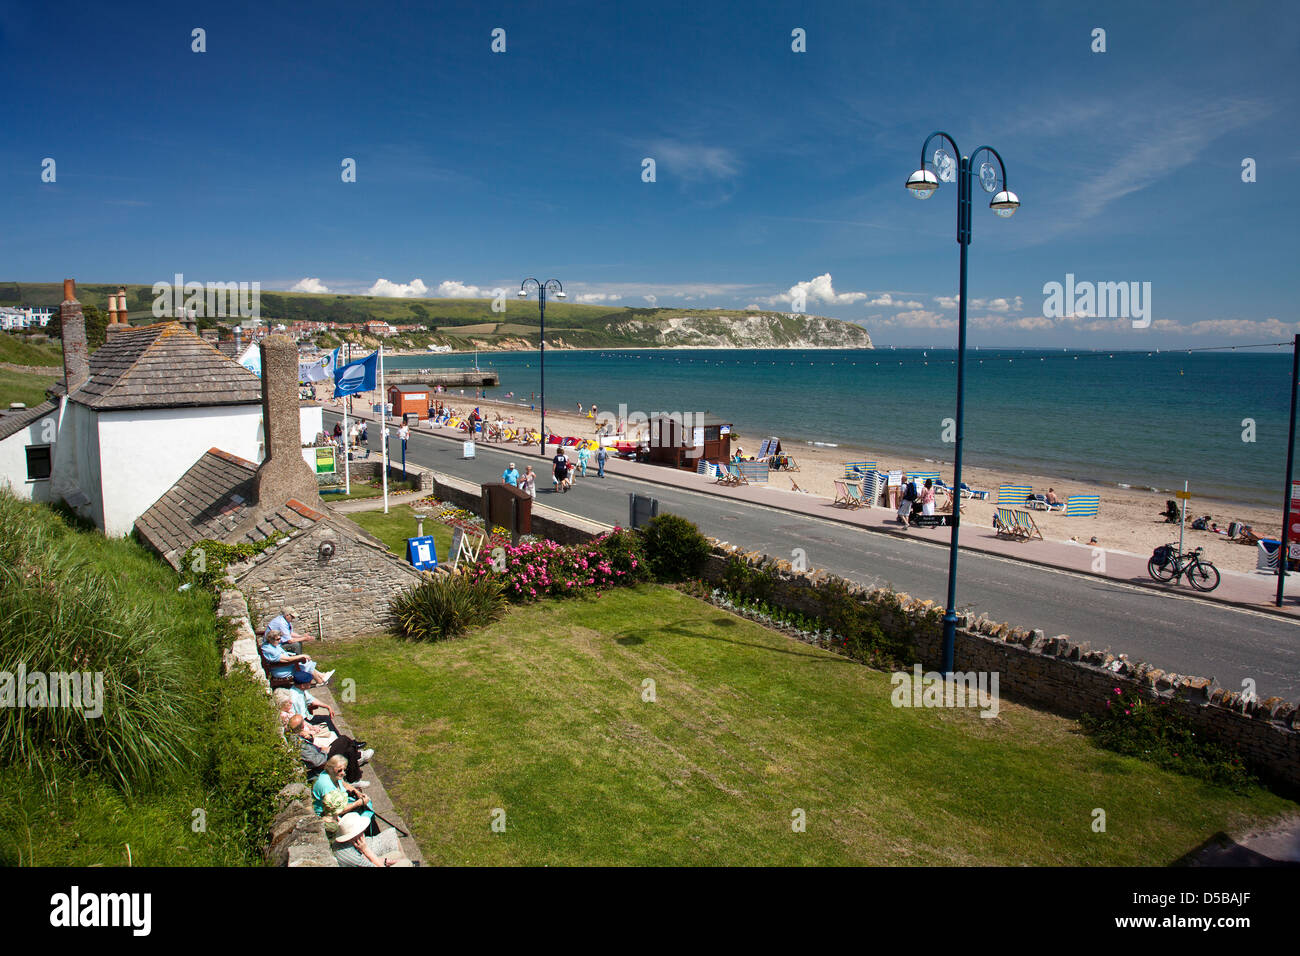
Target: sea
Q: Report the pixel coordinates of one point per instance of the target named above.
(1150, 420)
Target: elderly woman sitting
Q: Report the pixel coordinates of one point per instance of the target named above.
(351, 848)
(331, 781)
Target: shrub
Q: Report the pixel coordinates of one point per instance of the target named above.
(205, 562)
(249, 759)
(446, 605)
(625, 552)
(675, 548)
(545, 569)
(1158, 732)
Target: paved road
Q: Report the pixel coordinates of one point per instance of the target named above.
(1175, 633)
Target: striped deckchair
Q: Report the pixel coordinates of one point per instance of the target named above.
(856, 469)
(841, 492)
(872, 485)
(1013, 496)
(1027, 527)
(1082, 506)
(855, 495)
(1006, 525)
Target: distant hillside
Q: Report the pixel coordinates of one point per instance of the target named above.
(471, 323)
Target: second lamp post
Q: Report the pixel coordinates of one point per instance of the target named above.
(553, 286)
(922, 184)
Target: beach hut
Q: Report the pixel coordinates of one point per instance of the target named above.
(682, 443)
(409, 398)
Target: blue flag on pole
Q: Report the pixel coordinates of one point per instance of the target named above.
(357, 377)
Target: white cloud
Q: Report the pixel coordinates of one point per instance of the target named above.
(597, 297)
(652, 299)
(920, 319)
(455, 289)
(1255, 327)
(1014, 304)
(695, 163)
(308, 285)
(885, 300)
(821, 289)
(400, 290)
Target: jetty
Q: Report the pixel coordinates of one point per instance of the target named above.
(446, 377)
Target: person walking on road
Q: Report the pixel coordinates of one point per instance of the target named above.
(600, 462)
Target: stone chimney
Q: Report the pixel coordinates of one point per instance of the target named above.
(189, 321)
(76, 353)
(283, 474)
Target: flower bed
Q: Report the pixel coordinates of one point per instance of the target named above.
(538, 569)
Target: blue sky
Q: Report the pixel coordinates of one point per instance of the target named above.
(773, 168)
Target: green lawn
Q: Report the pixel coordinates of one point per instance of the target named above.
(542, 715)
(399, 524)
(364, 489)
(28, 388)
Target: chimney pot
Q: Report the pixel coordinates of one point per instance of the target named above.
(69, 290)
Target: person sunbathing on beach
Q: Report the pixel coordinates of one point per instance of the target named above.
(1052, 499)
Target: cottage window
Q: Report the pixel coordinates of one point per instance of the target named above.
(38, 462)
(712, 432)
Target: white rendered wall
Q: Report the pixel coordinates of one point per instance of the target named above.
(313, 421)
(143, 452)
(76, 460)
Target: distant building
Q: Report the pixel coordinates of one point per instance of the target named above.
(382, 329)
(412, 399)
(24, 318)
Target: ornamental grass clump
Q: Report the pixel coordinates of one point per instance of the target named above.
(446, 605)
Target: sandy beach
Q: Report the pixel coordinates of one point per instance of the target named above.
(1129, 518)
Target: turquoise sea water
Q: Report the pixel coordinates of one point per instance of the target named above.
(1136, 418)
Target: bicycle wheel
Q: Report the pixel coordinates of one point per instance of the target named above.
(1203, 576)
(1161, 572)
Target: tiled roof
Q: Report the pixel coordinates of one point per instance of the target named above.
(230, 348)
(208, 501)
(12, 422)
(164, 366)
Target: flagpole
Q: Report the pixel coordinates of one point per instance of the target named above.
(347, 465)
(383, 404)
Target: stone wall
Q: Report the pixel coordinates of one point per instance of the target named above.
(351, 587)
(1057, 673)
(297, 835)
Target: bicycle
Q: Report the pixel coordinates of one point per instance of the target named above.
(1167, 565)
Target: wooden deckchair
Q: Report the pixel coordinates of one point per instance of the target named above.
(1006, 525)
(1027, 527)
(841, 492)
(855, 495)
(738, 475)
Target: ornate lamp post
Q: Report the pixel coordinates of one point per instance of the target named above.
(947, 167)
(553, 286)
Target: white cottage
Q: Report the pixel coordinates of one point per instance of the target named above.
(27, 438)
